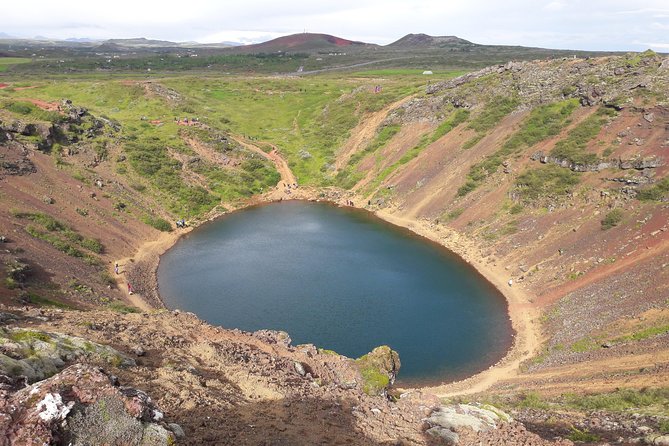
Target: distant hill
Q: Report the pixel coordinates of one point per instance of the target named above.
(426, 41)
(306, 42)
(142, 42)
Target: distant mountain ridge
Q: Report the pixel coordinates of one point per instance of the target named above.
(427, 41)
(303, 42)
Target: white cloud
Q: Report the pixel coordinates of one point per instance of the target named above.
(554, 6)
(657, 46)
(592, 24)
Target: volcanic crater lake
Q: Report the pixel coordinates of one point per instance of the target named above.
(343, 280)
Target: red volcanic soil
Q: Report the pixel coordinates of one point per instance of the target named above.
(3, 85)
(305, 41)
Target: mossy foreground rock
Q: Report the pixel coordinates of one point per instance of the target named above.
(378, 369)
(39, 355)
(79, 406)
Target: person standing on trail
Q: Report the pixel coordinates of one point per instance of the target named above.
(129, 288)
(116, 268)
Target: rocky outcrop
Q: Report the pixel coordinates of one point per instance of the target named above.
(609, 81)
(82, 405)
(636, 163)
(38, 355)
(468, 424)
(379, 369)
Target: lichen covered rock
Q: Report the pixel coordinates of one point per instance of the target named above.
(80, 406)
(38, 355)
(379, 369)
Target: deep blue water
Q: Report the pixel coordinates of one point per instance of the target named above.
(343, 280)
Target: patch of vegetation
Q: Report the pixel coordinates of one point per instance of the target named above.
(373, 366)
(543, 122)
(492, 114)
(619, 400)
(531, 400)
(159, 223)
(517, 208)
(349, 176)
(457, 118)
(646, 400)
(28, 336)
(106, 421)
(31, 110)
(583, 345)
(572, 148)
(44, 302)
(613, 218)
(455, 213)
(657, 192)
(122, 308)
(384, 135)
(471, 142)
(59, 235)
(8, 62)
(664, 426)
(374, 381)
(582, 435)
(644, 334)
(545, 181)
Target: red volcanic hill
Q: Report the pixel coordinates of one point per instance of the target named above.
(302, 42)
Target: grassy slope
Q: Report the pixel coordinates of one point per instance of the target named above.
(308, 119)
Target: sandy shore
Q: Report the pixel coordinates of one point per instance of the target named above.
(524, 315)
(142, 269)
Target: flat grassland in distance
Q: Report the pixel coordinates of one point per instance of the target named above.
(408, 73)
(6, 62)
(306, 118)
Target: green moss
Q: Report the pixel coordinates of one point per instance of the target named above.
(324, 351)
(373, 380)
(375, 368)
(28, 336)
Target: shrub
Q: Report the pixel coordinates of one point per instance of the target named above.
(657, 192)
(612, 219)
(159, 223)
(582, 436)
(544, 181)
(122, 308)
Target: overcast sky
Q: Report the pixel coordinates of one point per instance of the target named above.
(570, 24)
